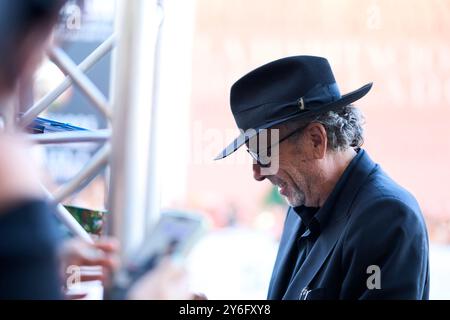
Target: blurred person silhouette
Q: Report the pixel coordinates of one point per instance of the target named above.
(351, 232)
(30, 257)
(28, 245)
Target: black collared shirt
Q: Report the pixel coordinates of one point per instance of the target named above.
(309, 231)
(314, 219)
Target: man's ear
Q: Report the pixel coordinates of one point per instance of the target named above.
(317, 136)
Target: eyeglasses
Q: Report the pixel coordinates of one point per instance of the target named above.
(264, 160)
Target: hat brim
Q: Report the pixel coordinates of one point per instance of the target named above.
(345, 100)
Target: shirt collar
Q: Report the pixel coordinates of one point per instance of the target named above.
(315, 218)
(307, 214)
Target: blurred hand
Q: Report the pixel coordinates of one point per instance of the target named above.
(79, 253)
(18, 174)
(168, 281)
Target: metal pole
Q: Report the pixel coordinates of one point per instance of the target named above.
(68, 220)
(49, 98)
(154, 174)
(89, 172)
(132, 100)
(70, 137)
(63, 61)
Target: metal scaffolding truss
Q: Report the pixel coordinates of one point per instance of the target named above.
(75, 76)
(41, 105)
(129, 186)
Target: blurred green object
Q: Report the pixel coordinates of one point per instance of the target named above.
(273, 198)
(90, 220)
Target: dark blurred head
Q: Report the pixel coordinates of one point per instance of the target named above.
(25, 27)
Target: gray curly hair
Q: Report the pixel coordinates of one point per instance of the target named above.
(344, 127)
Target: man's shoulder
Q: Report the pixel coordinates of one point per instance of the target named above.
(380, 189)
(381, 200)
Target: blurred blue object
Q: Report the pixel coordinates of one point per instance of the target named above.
(42, 125)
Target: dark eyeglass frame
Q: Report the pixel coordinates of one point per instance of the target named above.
(257, 157)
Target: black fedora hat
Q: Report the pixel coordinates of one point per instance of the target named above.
(283, 90)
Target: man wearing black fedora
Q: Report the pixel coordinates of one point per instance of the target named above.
(351, 232)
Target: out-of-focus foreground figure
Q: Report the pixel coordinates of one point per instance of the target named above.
(30, 254)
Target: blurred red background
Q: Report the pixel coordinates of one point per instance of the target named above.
(399, 45)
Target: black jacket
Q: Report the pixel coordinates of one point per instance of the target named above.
(371, 222)
(28, 252)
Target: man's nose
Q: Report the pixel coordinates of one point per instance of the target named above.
(257, 173)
